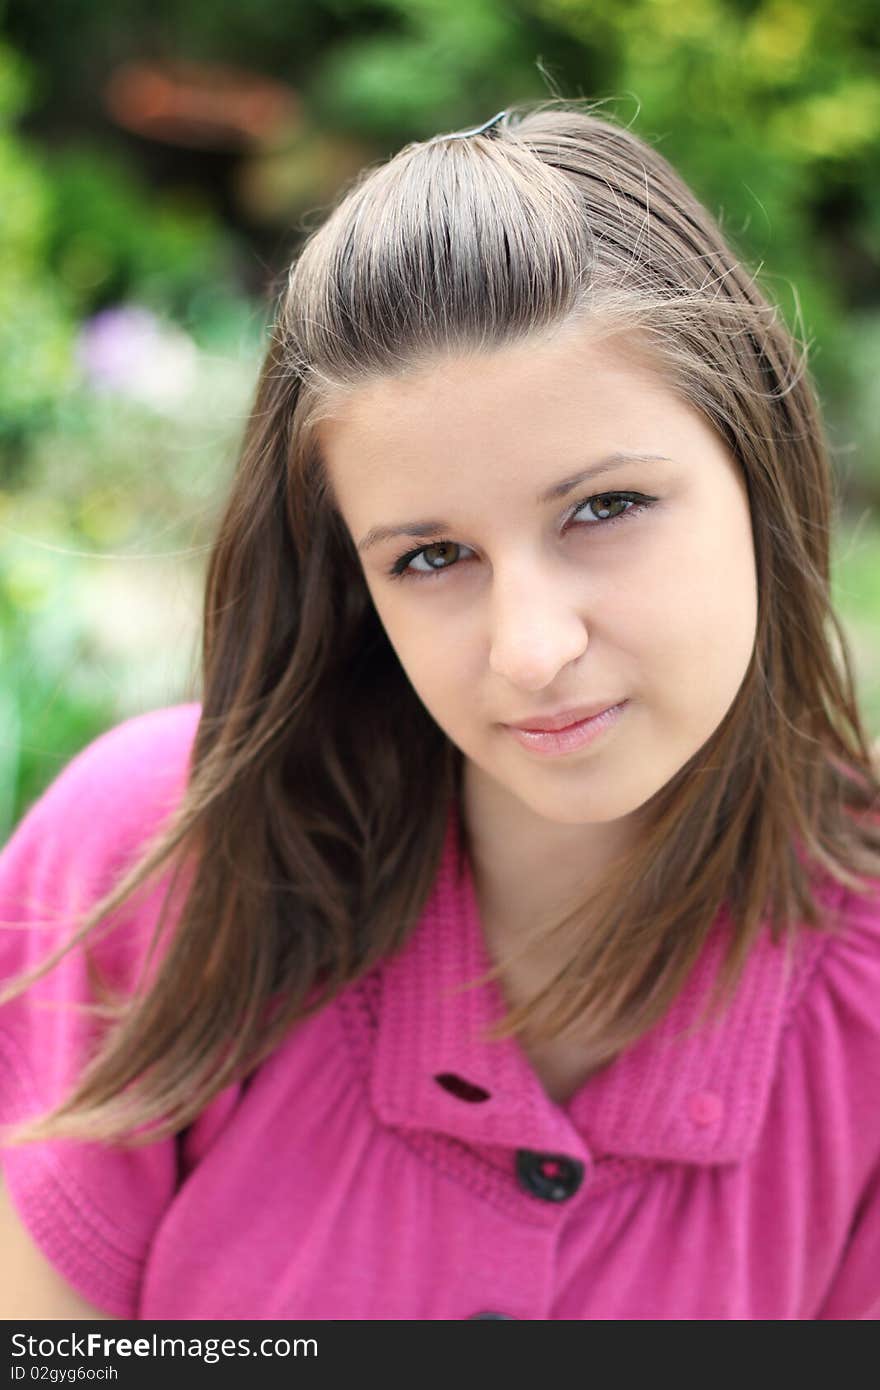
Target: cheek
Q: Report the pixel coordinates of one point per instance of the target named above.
(435, 665)
(402, 632)
(694, 626)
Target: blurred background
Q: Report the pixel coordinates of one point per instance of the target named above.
(160, 162)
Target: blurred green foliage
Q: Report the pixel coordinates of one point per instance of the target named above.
(770, 109)
(83, 472)
(111, 238)
(49, 705)
(35, 323)
(101, 561)
(79, 230)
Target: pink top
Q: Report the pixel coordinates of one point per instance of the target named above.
(735, 1174)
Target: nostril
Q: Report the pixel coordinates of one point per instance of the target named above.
(457, 1086)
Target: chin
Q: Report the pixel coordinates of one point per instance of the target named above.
(566, 808)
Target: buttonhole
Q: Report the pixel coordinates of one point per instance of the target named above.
(457, 1086)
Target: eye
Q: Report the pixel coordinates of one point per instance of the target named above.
(401, 569)
(604, 517)
(605, 512)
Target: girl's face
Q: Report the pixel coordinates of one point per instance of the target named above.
(511, 589)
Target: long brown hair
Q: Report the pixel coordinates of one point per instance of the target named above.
(299, 862)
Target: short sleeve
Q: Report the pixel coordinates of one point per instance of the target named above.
(91, 1208)
(843, 1061)
(855, 1294)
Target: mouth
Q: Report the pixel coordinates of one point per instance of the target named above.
(569, 736)
(563, 718)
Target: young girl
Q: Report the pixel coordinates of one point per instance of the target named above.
(500, 935)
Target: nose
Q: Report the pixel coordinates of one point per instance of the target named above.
(535, 630)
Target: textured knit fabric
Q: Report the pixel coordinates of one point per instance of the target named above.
(731, 1171)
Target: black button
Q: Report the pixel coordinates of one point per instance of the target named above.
(553, 1177)
(457, 1086)
(508, 1317)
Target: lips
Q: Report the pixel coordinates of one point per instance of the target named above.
(562, 719)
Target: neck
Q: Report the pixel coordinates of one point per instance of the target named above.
(526, 872)
(526, 869)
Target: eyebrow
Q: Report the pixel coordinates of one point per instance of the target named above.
(421, 530)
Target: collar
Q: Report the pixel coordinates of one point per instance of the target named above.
(669, 1096)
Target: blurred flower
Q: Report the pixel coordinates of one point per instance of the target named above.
(202, 105)
(127, 350)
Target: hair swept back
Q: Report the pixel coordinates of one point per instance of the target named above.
(302, 862)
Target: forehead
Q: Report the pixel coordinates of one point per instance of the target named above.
(568, 391)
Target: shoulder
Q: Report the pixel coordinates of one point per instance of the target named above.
(843, 965)
(164, 734)
(115, 790)
(87, 829)
(92, 1209)
(833, 1027)
(137, 762)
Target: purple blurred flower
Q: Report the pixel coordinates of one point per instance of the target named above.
(127, 350)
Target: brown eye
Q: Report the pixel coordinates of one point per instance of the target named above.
(444, 548)
(422, 563)
(608, 505)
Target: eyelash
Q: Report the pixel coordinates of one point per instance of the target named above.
(398, 569)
